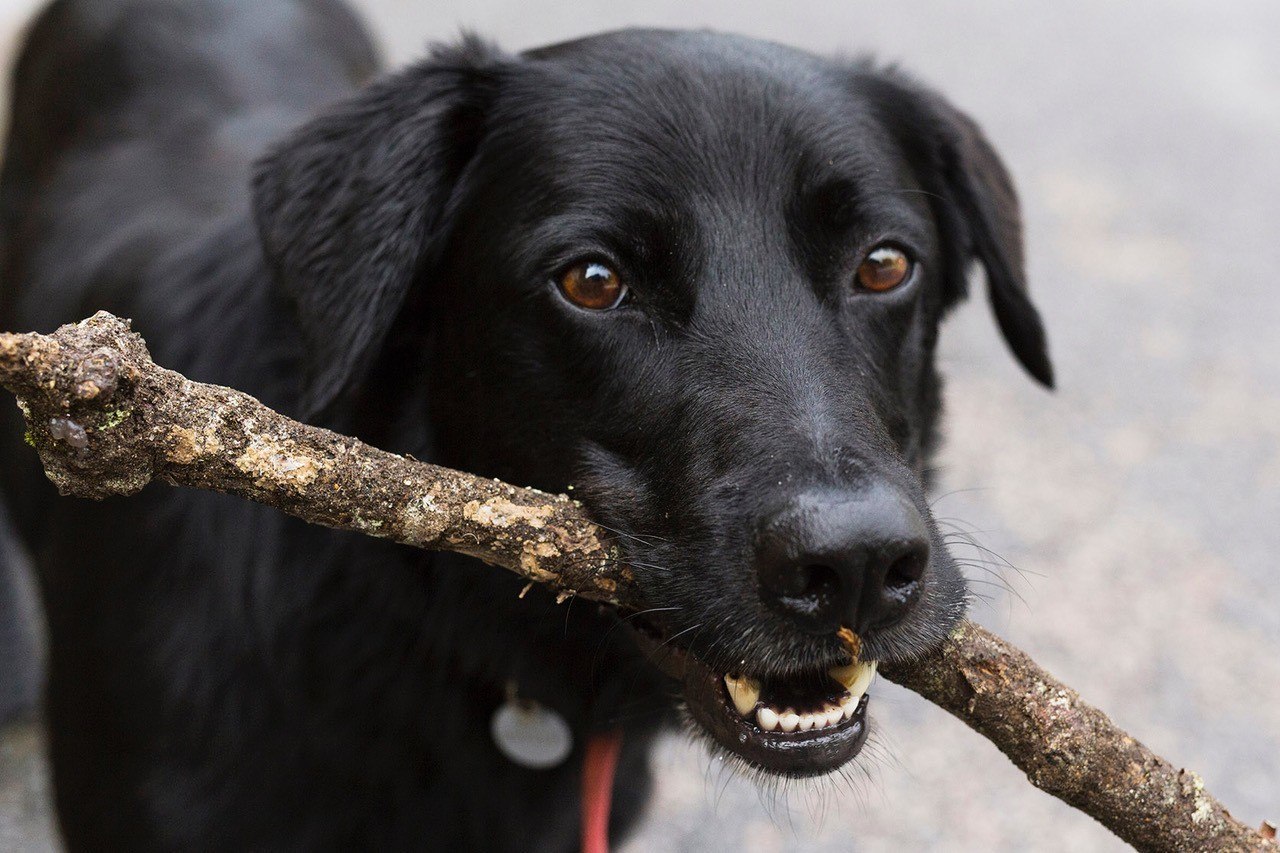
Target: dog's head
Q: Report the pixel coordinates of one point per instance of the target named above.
(698, 280)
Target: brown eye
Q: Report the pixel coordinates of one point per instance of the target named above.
(593, 286)
(883, 269)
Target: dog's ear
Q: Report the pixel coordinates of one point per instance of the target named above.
(350, 206)
(974, 203)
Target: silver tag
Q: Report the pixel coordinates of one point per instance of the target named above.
(530, 734)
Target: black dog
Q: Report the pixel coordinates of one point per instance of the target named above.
(696, 278)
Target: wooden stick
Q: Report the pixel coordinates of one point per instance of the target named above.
(106, 420)
(1070, 749)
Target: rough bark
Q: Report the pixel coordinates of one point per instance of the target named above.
(1070, 749)
(106, 421)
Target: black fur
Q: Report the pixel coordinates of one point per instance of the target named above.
(224, 677)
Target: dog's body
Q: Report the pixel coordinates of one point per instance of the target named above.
(220, 675)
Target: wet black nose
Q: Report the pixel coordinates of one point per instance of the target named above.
(829, 559)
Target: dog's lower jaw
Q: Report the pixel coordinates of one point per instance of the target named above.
(779, 740)
(798, 745)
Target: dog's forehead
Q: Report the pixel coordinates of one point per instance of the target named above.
(691, 110)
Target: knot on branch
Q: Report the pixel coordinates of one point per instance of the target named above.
(76, 389)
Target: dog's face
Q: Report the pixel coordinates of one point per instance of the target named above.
(697, 280)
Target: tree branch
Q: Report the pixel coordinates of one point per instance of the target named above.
(106, 420)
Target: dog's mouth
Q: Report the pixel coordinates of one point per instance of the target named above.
(803, 724)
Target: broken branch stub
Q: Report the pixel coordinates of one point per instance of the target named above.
(106, 421)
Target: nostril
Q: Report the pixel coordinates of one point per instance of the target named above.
(810, 594)
(790, 581)
(900, 589)
(820, 582)
(906, 570)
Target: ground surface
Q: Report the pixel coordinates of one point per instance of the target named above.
(1141, 500)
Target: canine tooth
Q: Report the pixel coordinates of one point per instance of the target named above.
(788, 720)
(745, 693)
(767, 718)
(834, 714)
(847, 709)
(866, 672)
(856, 677)
(850, 673)
(846, 675)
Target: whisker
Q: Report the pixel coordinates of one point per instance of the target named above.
(958, 536)
(918, 192)
(572, 598)
(676, 635)
(604, 641)
(641, 538)
(935, 501)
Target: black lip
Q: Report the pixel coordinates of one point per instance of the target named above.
(794, 754)
(798, 754)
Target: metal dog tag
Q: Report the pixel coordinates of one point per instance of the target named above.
(531, 734)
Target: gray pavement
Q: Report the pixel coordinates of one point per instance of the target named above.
(1140, 502)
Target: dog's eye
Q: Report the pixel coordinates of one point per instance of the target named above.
(883, 269)
(593, 286)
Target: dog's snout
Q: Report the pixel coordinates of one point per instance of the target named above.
(830, 559)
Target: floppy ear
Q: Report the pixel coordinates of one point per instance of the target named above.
(349, 207)
(976, 206)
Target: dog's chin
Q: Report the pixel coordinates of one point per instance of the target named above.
(806, 724)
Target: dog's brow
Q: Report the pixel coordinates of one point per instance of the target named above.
(836, 207)
(622, 224)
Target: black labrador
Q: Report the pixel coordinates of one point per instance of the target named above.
(695, 278)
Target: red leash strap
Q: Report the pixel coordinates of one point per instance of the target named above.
(598, 769)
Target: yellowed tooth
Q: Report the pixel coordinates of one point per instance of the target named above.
(744, 693)
(856, 677)
(866, 673)
(846, 675)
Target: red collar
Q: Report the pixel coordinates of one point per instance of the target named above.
(599, 767)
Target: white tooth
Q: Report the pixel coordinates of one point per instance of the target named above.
(767, 718)
(788, 720)
(834, 715)
(847, 708)
(745, 693)
(806, 722)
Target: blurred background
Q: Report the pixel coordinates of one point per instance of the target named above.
(1132, 518)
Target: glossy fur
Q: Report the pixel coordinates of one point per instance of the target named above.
(380, 260)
